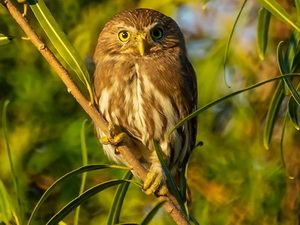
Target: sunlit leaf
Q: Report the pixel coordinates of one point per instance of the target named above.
(80, 199)
(273, 7)
(63, 178)
(293, 112)
(7, 212)
(152, 213)
(115, 209)
(272, 114)
(263, 31)
(5, 39)
(60, 41)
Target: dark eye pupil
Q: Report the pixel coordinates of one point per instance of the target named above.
(157, 33)
(124, 35)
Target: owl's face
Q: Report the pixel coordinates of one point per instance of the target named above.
(140, 32)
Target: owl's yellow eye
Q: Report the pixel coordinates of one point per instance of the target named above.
(157, 34)
(124, 35)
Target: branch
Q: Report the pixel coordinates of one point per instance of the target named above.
(94, 114)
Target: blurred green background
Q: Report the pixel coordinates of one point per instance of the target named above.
(233, 178)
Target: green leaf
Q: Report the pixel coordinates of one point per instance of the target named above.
(293, 112)
(7, 212)
(63, 178)
(285, 65)
(272, 114)
(273, 7)
(12, 168)
(198, 111)
(292, 52)
(115, 209)
(84, 155)
(263, 31)
(5, 39)
(282, 147)
(170, 178)
(281, 143)
(80, 199)
(61, 43)
(229, 40)
(194, 220)
(152, 213)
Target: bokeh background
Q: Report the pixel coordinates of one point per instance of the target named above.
(232, 177)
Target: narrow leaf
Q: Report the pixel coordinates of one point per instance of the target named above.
(152, 213)
(285, 65)
(282, 147)
(293, 112)
(80, 199)
(272, 114)
(12, 168)
(61, 43)
(5, 39)
(281, 143)
(170, 178)
(194, 220)
(273, 7)
(263, 31)
(7, 212)
(84, 156)
(198, 111)
(115, 209)
(292, 51)
(63, 178)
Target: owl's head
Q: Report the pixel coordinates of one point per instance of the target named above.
(140, 32)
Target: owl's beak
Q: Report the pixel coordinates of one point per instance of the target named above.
(142, 45)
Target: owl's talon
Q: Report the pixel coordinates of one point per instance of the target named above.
(163, 190)
(117, 136)
(155, 183)
(104, 140)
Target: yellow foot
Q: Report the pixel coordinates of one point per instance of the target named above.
(155, 182)
(116, 136)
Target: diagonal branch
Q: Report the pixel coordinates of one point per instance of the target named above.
(98, 119)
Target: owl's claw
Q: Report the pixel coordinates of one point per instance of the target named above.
(154, 183)
(117, 136)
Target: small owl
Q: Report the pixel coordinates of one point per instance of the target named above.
(144, 84)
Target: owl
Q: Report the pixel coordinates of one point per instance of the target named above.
(144, 85)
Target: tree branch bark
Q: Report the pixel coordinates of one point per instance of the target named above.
(91, 110)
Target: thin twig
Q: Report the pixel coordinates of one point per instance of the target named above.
(91, 110)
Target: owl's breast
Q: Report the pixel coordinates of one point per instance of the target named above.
(133, 101)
